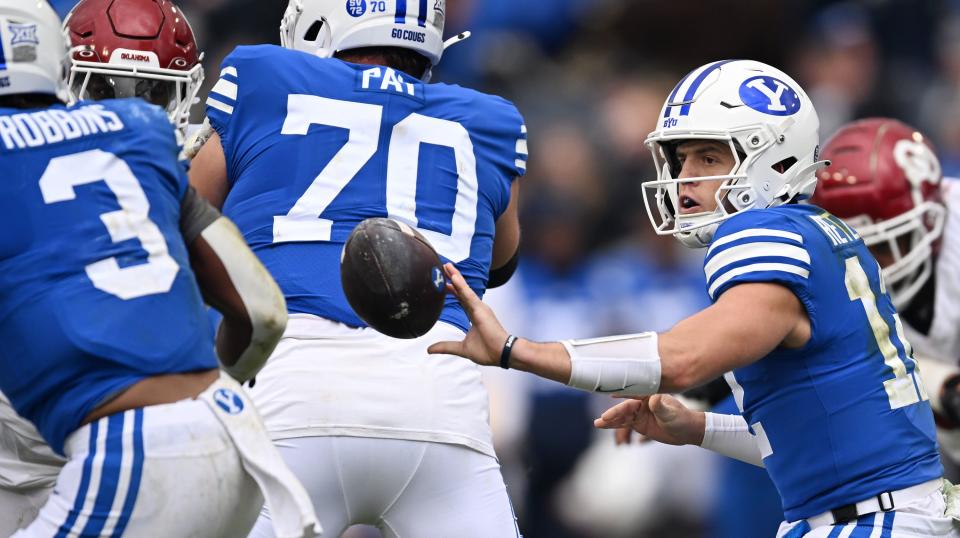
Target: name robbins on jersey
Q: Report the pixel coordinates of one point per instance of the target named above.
(34, 129)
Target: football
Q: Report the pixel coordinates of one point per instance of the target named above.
(393, 278)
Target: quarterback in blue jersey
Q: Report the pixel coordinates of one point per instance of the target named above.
(801, 323)
(338, 126)
(107, 351)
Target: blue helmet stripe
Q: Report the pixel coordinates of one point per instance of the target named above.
(401, 11)
(3, 59)
(692, 90)
(668, 109)
(422, 18)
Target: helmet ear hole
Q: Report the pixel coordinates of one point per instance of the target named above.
(784, 165)
(314, 31)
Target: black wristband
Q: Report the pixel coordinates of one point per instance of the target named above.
(507, 349)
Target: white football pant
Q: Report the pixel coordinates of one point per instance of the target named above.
(164, 470)
(408, 489)
(925, 518)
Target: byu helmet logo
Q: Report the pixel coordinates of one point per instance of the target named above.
(770, 96)
(229, 401)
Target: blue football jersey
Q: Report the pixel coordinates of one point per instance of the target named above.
(845, 417)
(96, 292)
(314, 146)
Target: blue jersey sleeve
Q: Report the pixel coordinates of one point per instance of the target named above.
(499, 128)
(758, 246)
(224, 99)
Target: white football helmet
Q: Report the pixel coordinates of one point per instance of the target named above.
(324, 27)
(767, 120)
(33, 49)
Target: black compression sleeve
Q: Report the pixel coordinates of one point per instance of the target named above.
(500, 275)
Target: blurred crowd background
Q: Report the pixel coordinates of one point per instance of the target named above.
(590, 77)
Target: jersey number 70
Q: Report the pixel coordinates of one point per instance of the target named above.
(363, 121)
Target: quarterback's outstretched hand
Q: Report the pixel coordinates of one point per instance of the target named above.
(486, 337)
(660, 417)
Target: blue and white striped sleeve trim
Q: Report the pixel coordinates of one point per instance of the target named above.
(755, 255)
(223, 96)
(521, 160)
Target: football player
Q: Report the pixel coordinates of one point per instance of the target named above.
(337, 126)
(135, 48)
(125, 48)
(885, 181)
(106, 346)
(801, 323)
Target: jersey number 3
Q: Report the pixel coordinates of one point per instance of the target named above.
(131, 221)
(363, 121)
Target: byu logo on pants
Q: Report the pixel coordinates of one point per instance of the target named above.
(770, 96)
(229, 401)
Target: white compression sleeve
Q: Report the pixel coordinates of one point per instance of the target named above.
(626, 365)
(259, 292)
(729, 435)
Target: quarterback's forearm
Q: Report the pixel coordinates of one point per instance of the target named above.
(547, 360)
(622, 365)
(628, 365)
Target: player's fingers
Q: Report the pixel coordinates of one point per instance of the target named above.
(609, 422)
(618, 415)
(446, 348)
(622, 436)
(665, 408)
(461, 289)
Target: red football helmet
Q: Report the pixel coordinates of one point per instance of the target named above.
(135, 48)
(884, 180)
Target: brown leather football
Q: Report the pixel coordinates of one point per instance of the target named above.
(393, 278)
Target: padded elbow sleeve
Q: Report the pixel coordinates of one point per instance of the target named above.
(260, 294)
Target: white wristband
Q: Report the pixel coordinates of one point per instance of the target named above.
(626, 365)
(730, 435)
